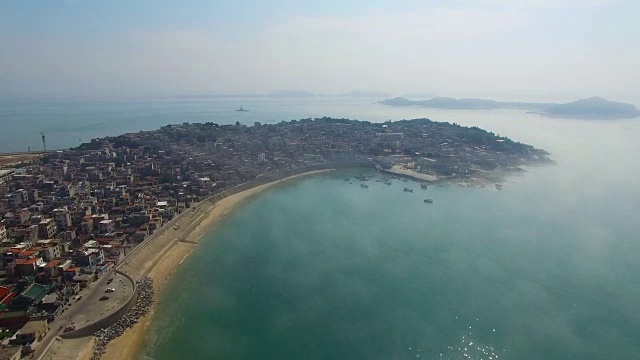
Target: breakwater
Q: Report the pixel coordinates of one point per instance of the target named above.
(143, 303)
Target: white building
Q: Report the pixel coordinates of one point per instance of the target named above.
(5, 178)
(106, 226)
(3, 233)
(63, 218)
(391, 136)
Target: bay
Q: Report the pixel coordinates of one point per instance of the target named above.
(325, 269)
(544, 269)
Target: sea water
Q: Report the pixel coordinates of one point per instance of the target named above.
(544, 269)
(325, 269)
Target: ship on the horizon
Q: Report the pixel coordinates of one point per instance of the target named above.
(241, 109)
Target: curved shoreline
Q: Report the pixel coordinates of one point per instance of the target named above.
(160, 255)
(162, 265)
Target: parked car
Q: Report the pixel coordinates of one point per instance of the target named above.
(104, 298)
(69, 328)
(110, 281)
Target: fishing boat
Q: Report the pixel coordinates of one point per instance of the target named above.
(242, 109)
(428, 201)
(408, 190)
(364, 186)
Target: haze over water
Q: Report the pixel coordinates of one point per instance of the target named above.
(544, 269)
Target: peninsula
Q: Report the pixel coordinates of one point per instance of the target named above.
(590, 108)
(137, 203)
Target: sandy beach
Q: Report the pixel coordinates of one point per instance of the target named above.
(400, 170)
(158, 260)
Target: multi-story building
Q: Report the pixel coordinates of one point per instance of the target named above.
(50, 251)
(13, 200)
(5, 178)
(31, 234)
(3, 233)
(106, 226)
(63, 218)
(47, 229)
(89, 257)
(68, 235)
(87, 225)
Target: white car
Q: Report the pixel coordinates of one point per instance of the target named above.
(110, 290)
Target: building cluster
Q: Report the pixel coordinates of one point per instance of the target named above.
(73, 214)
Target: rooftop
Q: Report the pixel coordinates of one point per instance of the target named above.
(6, 172)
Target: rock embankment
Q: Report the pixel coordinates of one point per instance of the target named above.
(140, 309)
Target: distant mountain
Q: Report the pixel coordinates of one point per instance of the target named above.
(399, 101)
(291, 94)
(591, 108)
(420, 95)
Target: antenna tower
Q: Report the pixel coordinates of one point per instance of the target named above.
(44, 142)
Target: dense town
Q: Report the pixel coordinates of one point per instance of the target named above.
(70, 216)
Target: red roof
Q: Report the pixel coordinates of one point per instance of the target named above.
(4, 291)
(53, 263)
(8, 298)
(26, 261)
(28, 253)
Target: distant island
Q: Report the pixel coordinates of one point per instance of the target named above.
(590, 108)
(593, 108)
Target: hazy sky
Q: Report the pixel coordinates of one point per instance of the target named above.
(450, 47)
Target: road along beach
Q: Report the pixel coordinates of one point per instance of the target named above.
(159, 260)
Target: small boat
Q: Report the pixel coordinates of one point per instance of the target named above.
(423, 186)
(428, 201)
(408, 190)
(405, 180)
(498, 186)
(242, 109)
(346, 179)
(364, 186)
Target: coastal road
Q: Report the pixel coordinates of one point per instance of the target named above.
(88, 309)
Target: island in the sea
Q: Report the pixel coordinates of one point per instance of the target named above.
(590, 108)
(233, 154)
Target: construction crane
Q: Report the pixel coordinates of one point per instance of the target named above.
(44, 142)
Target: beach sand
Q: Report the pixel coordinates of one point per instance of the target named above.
(160, 264)
(400, 170)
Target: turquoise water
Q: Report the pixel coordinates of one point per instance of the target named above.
(324, 269)
(545, 269)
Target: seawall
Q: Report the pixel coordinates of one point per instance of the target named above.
(108, 320)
